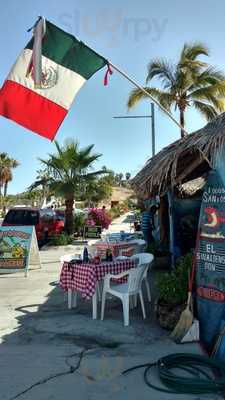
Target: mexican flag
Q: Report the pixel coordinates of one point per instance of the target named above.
(64, 65)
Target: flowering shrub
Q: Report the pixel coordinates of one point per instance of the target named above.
(90, 222)
(98, 217)
(114, 212)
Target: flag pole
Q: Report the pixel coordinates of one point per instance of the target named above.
(148, 95)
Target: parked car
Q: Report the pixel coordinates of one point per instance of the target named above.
(47, 221)
(60, 215)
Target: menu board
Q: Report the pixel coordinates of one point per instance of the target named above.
(92, 231)
(210, 259)
(18, 248)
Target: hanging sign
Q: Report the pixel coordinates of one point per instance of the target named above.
(210, 260)
(18, 248)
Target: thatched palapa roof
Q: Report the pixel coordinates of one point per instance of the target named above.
(186, 159)
(192, 188)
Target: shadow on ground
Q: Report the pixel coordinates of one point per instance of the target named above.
(52, 323)
(48, 352)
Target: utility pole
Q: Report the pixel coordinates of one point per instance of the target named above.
(152, 116)
(153, 127)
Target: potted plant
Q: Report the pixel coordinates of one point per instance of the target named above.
(172, 290)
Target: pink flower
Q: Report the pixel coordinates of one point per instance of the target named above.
(90, 222)
(100, 217)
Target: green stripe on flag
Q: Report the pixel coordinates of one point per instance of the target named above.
(66, 50)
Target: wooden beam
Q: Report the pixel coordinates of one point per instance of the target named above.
(187, 171)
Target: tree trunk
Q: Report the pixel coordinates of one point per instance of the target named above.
(5, 188)
(69, 222)
(182, 122)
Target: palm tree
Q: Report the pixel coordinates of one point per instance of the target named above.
(12, 164)
(67, 170)
(4, 159)
(119, 178)
(42, 179)
(128, 175)
(6, 166)
(189, 83)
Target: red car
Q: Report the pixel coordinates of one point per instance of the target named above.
(47, 221)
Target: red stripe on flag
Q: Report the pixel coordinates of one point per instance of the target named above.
(31, 110)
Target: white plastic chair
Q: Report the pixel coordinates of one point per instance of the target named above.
(141, 245)
(144, 258)
(121, 257)
(124, 290)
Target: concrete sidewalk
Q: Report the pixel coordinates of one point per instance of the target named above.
(41, 339)
(42, 372)
(123, 223)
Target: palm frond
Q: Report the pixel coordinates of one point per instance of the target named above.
(166, 99)
(210, 76)
(135, 96)
(191, 51)
(163, 70)
(57, 145)
(39, 182)
(184, 79)
(55, 166)
(219, 104)
(207, 110)
(217, 90)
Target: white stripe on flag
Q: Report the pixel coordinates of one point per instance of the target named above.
(60, 84)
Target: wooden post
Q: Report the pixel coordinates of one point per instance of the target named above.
(164, 221)
(171, 233)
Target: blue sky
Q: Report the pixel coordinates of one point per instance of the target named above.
(128, 33)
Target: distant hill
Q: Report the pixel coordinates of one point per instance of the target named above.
(119, 195)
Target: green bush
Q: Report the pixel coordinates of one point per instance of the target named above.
(117, 211)
(173, 286)
(114, 212)
(79, 222)
(61, 239)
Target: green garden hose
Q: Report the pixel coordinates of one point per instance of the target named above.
(186, 373)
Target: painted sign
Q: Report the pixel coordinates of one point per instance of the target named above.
(92, 231)
(210, 260)
(18, 248)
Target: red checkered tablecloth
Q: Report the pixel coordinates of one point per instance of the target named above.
(83, 277)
